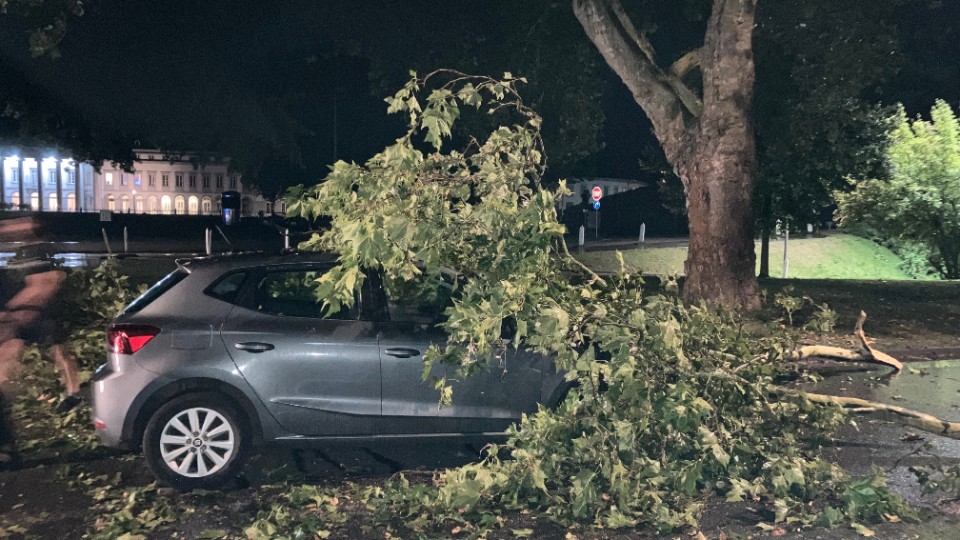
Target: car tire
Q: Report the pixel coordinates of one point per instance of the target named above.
(196, 441)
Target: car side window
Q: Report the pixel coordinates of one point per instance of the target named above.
(227, 287)
(418, 301)
(293, 293)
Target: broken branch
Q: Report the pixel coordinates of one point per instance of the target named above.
(866, 353)
(915, 419)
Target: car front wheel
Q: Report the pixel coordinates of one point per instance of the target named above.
(195, 442)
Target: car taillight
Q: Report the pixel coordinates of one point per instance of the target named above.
(129, 338)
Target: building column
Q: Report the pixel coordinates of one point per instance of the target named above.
(20, 178)
(77, 189)
(96, 188)
(3, 181)
(39, 163)
(59, 185)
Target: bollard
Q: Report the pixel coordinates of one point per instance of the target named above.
(643, 232)
(126, 245)
(208, 241)
(107, 242)
(286, 239)
(582, 237)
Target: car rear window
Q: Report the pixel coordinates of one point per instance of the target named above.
(156, 291)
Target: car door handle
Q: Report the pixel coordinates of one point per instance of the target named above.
(254, 346)
(402, 352)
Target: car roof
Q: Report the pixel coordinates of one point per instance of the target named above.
(253, 259)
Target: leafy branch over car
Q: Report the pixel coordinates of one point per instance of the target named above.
(674, 400)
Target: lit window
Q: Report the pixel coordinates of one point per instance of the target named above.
(108, 178)
(152, 204)
(136, 180)
(111, 202)
(34, 201)
(194, 205)
(53, 205)
(206, 206)
(165, 206)
(179, 205)
(125, 204)
(71, 203)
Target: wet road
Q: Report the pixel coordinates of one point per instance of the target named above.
(931, 387)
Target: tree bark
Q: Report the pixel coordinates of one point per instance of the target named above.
(709, 143)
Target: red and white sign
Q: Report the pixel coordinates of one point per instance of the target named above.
(597, 193)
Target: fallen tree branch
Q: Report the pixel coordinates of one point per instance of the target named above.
(915, 419)
(866, 353)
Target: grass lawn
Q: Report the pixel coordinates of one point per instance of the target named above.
(837, 256)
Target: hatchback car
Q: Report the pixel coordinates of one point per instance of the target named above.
(230, 352)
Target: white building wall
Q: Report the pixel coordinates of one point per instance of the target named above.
(158, 184)
(162, 184)
(610, 186)
(41, 189)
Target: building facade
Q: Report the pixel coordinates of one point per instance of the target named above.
(158, 184)
(609, 186)
(165, 184)
(46, 183)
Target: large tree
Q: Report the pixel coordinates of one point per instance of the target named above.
(708, 141)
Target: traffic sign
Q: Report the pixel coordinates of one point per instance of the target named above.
(597, 193)
(596, 205)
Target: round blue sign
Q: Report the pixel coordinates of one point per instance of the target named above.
(596, 205)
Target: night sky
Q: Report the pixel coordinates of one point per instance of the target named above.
(298, 84)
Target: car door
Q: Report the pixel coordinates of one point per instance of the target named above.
(485, 402)
(318, 375)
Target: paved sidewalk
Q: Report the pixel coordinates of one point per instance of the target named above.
(613, 244)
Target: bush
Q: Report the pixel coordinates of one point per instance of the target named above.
(918, 205)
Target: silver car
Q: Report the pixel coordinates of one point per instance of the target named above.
(227, 353)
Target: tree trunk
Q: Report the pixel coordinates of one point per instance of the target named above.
(721, 262)
(710, 144)
(950, 254)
